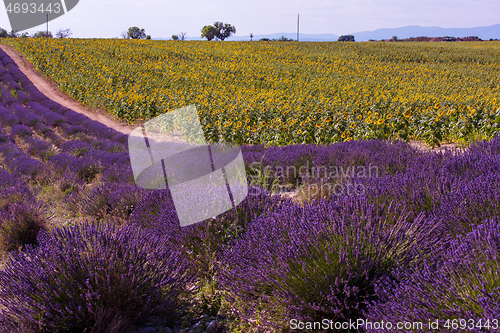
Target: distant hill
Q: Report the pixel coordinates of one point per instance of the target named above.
(484, 33)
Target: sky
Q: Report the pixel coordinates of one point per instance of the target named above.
(162, 19)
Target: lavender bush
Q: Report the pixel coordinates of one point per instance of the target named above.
(6, 97)
(23, 97)
(76, 147)
(20, 223)
(10, 120)
(92, 277)
(320, 261)
(86, 170)
(462, 286)
(111, 201)
(21, 130)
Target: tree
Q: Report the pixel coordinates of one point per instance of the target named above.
(13, 34)
(346, 38)
(251, 36)
(208, 32)
(223, 30)
(148, 37)
(63, 33)
(136, 33)
(43, 34)
(182, 36)
(175, 37)
(3, 33)
(395, 38)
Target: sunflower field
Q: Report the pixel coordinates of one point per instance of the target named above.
(286, 93)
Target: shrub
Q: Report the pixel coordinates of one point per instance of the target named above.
(76, 147)
(85, 170)
(10, 120)
(74, 129)
(156, 212)
(463, 284)
(21, 130)
(93, 277)
(28, 169)
(320, 261)
(20, 223)
(23, 97)
(119, 173)
(12, 190)
(37, 147)
(111, 201)
(108, 145)
(4, 137)
(61, 161)
(6, 97)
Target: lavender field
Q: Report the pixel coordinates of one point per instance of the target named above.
(356, 232)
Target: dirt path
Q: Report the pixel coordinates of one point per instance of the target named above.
(51, 90)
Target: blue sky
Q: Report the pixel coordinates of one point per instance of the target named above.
(109, 18)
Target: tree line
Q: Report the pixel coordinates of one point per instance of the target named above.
(61, 33)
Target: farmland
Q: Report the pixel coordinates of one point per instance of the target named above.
(375, 230)
(287, 93)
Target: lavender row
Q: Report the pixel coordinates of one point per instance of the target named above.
(16, 80)
(342, 261)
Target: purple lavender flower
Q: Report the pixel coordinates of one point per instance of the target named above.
(10, 120)
(321, 261)
(17, 74)
(108, 145)
(13, 85)
(23, 97)
(76, 147)
(85, 169)
(63, 160)
(76, 118)
(37, 146)
(112, 201)
(21, 130)
(28, 169)
(77, 275)
(74, 129)
(6, 76)
(6, 97)
(34, 93)
(6, 60)
(119, 173)
(462, 284)
(53, 106)
(20, 223)
(4, 112)
(51, 118)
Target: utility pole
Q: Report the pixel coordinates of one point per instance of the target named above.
(47, 25)
(297, 27)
